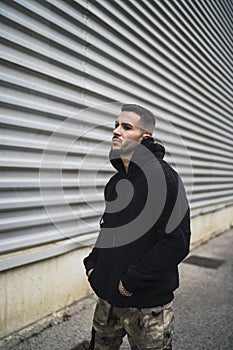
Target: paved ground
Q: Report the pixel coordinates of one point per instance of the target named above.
(203, 306)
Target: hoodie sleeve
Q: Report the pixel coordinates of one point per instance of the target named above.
(171, 248)
(90, 260)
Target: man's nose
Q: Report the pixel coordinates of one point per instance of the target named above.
(117, 131)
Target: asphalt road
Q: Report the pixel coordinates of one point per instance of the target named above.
(203, 307)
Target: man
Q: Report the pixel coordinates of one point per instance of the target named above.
(145, 234)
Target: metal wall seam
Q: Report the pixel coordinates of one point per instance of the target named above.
(227, 6)
(211, 12)
(187, 30)
(213, 91)
(201, 25)
(198, 62)
(138, 5)
(167, 13)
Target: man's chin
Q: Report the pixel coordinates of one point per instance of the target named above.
(116, 149)
(116, 145)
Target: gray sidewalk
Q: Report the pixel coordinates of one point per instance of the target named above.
(203, 306)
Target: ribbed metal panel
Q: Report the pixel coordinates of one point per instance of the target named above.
(64, 63)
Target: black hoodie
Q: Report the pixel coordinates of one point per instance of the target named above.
(145, 231)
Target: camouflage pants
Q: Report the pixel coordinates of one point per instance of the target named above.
(147, 328)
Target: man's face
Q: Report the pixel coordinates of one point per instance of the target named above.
(128, 133)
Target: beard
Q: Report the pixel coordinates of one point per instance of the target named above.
(127, 148)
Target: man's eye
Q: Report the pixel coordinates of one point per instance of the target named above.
(127, 127)
(116, 125)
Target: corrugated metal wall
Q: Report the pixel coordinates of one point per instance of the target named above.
(64, 64)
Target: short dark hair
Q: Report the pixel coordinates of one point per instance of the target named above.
(147, 117)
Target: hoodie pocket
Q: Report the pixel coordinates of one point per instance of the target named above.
(114, 297)
(98, 282)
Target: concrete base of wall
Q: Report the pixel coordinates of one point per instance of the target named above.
(30, 293)
(209, 223)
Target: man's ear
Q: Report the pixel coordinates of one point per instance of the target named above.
(146, 136)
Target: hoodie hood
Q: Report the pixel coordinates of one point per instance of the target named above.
(140, 154)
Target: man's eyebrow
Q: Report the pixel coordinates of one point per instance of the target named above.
(124, 123)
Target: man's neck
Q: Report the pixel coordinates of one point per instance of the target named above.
(126, 160)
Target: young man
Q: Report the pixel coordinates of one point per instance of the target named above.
(145, 234)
